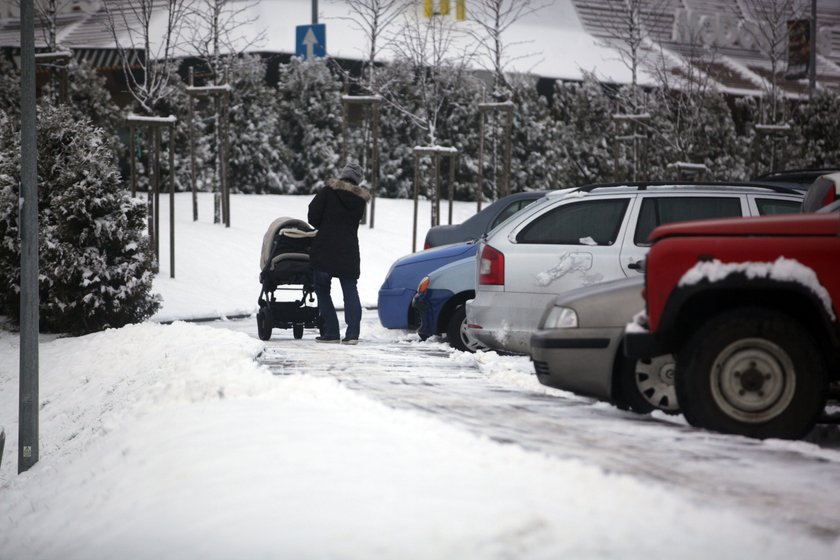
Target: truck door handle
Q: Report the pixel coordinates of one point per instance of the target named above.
(636, 265)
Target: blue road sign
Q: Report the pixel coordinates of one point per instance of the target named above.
(311, 41)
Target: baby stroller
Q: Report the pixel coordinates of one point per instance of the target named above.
(285, 261)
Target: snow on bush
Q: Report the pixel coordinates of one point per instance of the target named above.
(96, 268)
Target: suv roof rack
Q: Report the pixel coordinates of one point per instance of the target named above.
(643, 185)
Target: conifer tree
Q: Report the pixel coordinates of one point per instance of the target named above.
(583, 110)
(96, 265)
(258, 156)
(537, 157)
(309, 121)
(816, 125)
(9, 88)
(399, 135)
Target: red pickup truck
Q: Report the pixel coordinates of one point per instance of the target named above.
(749, 307)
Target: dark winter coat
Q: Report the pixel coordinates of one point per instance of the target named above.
(336, 212)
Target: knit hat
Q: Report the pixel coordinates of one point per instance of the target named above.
(352, 172)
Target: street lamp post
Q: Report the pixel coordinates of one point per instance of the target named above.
(28, 405)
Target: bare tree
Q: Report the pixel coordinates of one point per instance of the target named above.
(212, 30)
(764, 27)
(47, 13)
(627, 33)
(684, 83)
(430, 47)
(150, 49)
(492, 19)
(373, 18)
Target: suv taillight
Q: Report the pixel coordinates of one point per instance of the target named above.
(491, 267)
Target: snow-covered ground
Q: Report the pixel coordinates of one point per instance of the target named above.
(170, 441)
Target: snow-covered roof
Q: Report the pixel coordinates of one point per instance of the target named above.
(564, 40)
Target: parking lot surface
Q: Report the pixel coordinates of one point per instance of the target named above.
(779, 483)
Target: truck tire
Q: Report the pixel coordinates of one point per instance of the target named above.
(648, 384)
(754, 372)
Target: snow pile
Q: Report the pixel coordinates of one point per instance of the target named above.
(785, 270)
(172, 443)
(638, 324)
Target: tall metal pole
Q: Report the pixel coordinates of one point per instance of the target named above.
(28, 404)
(453, 162)
(416, 201)
(374, 179)
(436, 192)
(192, 148)
(508, 149)
(172, 200)
(314, 12)
(132, 153)
(812, 55)
(226, 144)
(156, 188)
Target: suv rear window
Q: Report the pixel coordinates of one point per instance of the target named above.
(590, 222)
(769, 206)
(657, 211)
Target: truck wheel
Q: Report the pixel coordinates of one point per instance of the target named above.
(456, 332)
(753, 372)
(297, 331)
(648, 384)
(264, 323)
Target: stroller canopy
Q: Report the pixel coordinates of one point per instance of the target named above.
(284, 227)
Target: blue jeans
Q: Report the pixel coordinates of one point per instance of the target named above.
(326, 308)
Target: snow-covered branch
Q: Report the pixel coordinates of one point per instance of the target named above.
(149, 49)
(492, 19)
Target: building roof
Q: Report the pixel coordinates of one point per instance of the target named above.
(564, 40)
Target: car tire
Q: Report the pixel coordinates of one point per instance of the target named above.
(456, 332)
(264, 323)
(648, 384)
(297, 331)
(752, 372)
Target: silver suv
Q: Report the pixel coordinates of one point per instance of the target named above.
(583, 236)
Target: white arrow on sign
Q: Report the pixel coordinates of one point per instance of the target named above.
(310, 41)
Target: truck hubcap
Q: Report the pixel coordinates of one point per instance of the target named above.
(753, 380)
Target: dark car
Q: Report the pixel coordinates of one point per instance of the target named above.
(482, 222)
(800, 179)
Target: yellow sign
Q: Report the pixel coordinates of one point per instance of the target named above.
(461, 10)
(444, 8)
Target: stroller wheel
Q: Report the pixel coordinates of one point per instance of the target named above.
(297, 330)
(264, 323)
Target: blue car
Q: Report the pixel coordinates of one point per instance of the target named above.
(441, 304)
(396, 293)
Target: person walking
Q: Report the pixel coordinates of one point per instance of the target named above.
(336, 212)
